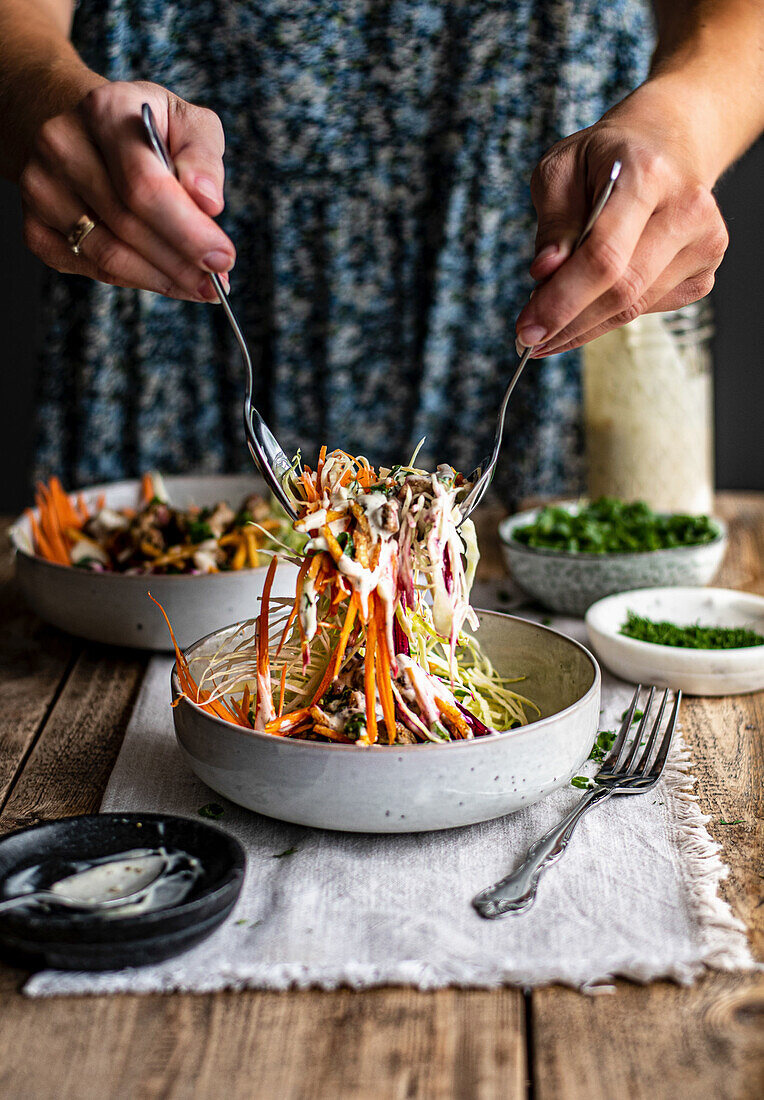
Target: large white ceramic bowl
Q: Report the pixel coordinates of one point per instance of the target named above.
(410, 788)
(695, 671)
(570, 582)
(115, 609)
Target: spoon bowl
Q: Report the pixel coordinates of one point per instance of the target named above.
(129, 884)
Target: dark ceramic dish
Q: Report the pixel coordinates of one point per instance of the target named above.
(70, 940)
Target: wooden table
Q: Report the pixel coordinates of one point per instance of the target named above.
(65, 708)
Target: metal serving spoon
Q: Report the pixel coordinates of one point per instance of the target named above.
(120, 893)
(263, 445)
(482, 475)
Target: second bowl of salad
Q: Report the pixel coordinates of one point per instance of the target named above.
(569, 555)
(87, 561)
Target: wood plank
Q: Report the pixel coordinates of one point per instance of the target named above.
(743, 566)
(661, 1040)
(345, 1045)
(657, 1042)
(70, 764)
(35, 659)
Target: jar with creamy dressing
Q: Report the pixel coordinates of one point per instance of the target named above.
(648, 411)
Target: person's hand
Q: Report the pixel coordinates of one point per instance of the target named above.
(152, 231)
(655, 246)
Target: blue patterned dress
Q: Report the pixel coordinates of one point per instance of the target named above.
(378, 158)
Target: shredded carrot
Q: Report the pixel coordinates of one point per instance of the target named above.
(262, 622)
(320, 467)
(287, 720)
(64, 507)
(188, 685)
(147, 488)
(50, 524)
(384, 682)
(453, 715)
(368, 676)
(40, 542)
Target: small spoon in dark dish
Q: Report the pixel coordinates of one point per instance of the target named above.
(140, 872)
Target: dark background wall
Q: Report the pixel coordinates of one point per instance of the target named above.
(738, 351)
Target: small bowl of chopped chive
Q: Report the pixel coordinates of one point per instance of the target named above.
(569, 555)
(706, 641)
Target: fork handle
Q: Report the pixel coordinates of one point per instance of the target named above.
(517, 892)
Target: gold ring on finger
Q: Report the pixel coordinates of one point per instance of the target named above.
(78, 234)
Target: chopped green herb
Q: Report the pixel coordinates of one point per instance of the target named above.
(355, 725)
(737, 821)
(288, 852)
(638, 714)
(610, 526)
(688, 637)
(213, 810)
(198, 531)
(546, 621)
(603, 743)
(242, 921)
(345, 540)
(581, 781)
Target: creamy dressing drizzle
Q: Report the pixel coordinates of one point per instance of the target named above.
(164, 876)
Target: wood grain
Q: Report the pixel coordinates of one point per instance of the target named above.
(35, 660)
(342, 1045)
(69, 766)
(657, 1042)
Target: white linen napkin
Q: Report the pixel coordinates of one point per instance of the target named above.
(635, 894)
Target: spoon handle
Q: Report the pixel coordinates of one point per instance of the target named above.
(17, 902)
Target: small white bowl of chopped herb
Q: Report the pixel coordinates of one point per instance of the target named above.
(569, 555)
(706, 641)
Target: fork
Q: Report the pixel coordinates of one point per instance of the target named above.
(482, 476)
(269, 457)
(623, 772)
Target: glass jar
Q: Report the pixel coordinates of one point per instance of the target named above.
(648, 411)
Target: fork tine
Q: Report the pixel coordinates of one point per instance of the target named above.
(610, 764)
(640, 768)
(663, 751)
(630, 762)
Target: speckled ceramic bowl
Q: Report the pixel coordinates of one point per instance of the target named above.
(411, 788)
(570, 582)
(115, 609)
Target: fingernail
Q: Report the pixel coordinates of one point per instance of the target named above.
(531, 335)
(209, 189)
(519, 348)
(545, 253)
(207, 291)
(217, 261)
